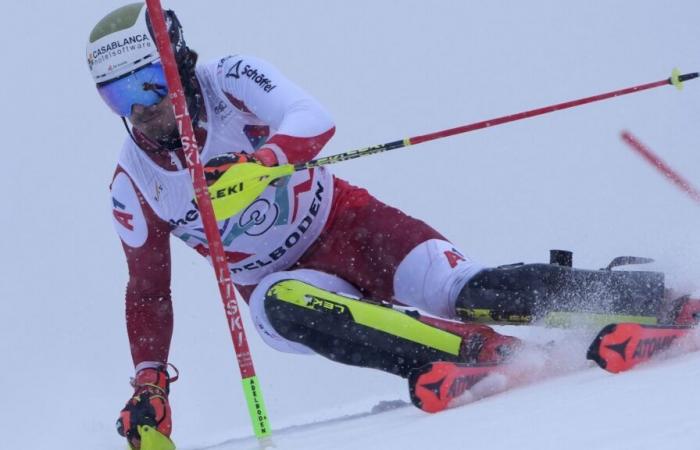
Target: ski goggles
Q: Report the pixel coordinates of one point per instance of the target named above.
(146, 86)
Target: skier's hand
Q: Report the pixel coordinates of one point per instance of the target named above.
(148, 406)
(216, 166)
(265, 156)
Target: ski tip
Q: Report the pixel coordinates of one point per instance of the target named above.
(441, 385)
(413, 378)
(429, 385)
(593, 353)
(621, 347)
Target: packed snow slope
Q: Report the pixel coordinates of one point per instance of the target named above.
(386, 70)
(651, 408)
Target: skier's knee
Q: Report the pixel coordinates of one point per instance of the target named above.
(426, 276)
(269, 321)
(278, 312)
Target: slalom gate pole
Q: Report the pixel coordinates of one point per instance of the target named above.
(666, 170)
(676, 79)
(251, 386)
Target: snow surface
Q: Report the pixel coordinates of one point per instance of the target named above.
(651, 409)
(386, 70)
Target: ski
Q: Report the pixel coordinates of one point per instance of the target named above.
(621, 346)
(441, 385)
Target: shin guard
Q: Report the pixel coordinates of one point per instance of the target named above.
(371, 334)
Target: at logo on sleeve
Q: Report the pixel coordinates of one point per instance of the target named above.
(454, 257)
(127, 213)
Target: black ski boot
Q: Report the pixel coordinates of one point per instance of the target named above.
(560, 294)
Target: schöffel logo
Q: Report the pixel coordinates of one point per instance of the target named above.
(256, 77)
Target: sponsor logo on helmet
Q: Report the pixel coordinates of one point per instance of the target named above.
(119, 47)
(256, 77)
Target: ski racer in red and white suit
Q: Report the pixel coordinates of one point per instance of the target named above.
(347, 247)
(310, 226)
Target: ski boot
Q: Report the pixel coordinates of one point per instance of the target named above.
(680, 310)
(559, 295)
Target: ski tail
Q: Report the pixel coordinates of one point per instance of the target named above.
(621, 346)
(436, 386)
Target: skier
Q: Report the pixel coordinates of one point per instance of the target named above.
(304, 252)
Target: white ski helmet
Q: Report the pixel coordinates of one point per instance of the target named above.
(120, 43)
(124, 60)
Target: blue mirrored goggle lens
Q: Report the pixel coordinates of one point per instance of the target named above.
(146, 87)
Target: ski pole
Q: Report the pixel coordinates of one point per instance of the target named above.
(676, 79)
(666, 170)
(251, 386)
(241, 184)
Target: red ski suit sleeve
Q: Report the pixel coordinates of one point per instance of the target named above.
(149, 312)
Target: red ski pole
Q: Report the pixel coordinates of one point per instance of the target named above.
(666, 170)
(251, 386)
(676, 79)
(258, 177)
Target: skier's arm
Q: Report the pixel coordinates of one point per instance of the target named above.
(303, 125)
(146, 242)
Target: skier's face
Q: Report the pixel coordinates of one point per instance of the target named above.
(155, 121)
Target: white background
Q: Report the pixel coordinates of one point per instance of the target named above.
(386, 70)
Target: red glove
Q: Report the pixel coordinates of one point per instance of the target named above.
(148, 406)
(266, 157)
(216, 167)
